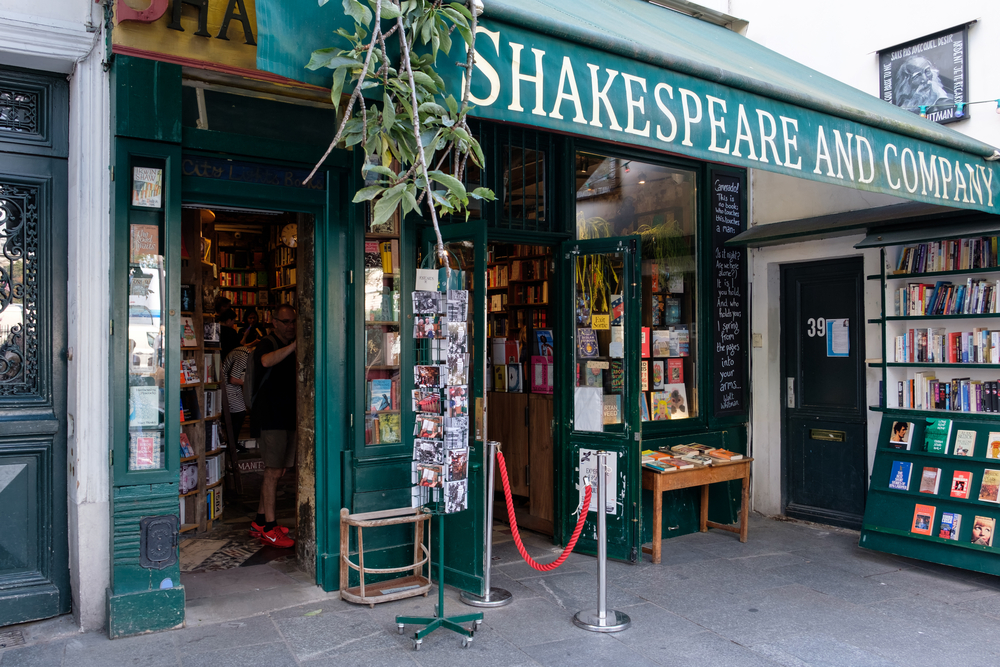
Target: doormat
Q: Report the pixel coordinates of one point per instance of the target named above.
(9, 638)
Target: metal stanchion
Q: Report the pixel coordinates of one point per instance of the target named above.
(602, 619)
(495, 597)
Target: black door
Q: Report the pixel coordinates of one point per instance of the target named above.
(34, 575)
(824, 430)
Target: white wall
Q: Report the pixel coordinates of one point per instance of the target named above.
(64, 36)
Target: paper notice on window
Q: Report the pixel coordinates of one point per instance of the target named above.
(589, 409)
(588, 468)
(838, 338)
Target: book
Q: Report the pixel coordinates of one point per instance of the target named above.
(901, 435)
(617, 309)
(951, 523)
(989, 488)
(676, 400)
(145, 451)
(993, 446)
(644, 375)
(188, 336)
(930, 480)
(542, 378)
(961, 483)
(661, 343)
(937, 435)
(586, 343)
(186, 449)
(643, 407)
(675, 371)
(500, 377)
(658, 403)
(965, 443)
(982, 531)
(144, 406)
(612, 409)
(644, 340)
(514, 379)
(672, 311)
(544, 346)
(379, 395)
(213, 333)
(593, 376)
(923, 519)
(389, 428)
(724, 455)
(899, 477)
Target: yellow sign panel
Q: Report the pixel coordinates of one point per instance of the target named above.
(213, 34)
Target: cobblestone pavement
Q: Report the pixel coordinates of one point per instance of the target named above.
(794, 594)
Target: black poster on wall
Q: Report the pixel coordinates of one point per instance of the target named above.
(730, 381)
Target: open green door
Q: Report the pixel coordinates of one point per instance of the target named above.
(599, 373)
(465, 551)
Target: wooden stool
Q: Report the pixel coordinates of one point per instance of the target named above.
(384, 591)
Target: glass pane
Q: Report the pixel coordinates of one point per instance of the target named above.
(12, 295)
(383, 424)
(146, 348)
(600, 342)
(621, 197)
(523, 183)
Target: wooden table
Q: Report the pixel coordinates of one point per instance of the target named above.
(658, 482)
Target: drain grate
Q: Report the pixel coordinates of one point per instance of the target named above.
(11, 638)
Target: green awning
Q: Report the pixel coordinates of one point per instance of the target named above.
(632, 72)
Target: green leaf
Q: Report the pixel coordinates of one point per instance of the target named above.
(361, 14)
(409, 199)
(461, 9)
(453, 184)
(378, 169)
(337, 89)
(452, 103)
(444, 37)
(386, 206)
(432, 108)
(390, 10)
(423, 80)
(328, 58)
(484, 193)
(369, 193)
(388, 111)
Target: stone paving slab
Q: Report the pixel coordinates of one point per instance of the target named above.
(795, 595)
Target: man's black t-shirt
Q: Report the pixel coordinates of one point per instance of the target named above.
(229, 339)
(274, 405)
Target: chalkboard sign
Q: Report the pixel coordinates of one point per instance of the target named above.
(729, 290)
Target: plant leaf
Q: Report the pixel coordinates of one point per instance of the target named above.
(386, 206)
(368, 193)
(388, 111)
(361, 14)
(378, 169)
(453, 184)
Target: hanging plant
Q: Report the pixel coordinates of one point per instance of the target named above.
(418, 119)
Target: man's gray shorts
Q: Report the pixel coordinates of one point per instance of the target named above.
(277, 448)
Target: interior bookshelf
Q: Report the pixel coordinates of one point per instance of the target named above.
(202, 455)
(940, 326)
(382, 316)
(243, 279)
(284, 284)
(935, 490)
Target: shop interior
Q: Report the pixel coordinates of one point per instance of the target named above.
(243, 261)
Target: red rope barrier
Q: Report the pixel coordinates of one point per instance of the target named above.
(517, 536)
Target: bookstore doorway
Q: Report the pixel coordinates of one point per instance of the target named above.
(825, 425)
(246, 283)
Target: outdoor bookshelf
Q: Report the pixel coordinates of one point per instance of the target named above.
(940, 360)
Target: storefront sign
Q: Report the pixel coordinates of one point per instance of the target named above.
(928, 75)
(248, 172)
(217, 34)
(532, 79)
(729, 269)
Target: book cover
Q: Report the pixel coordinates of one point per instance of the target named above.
(389, 428)
(645, 342)
(144, 407)
(617, 309)
(500, 377)
(993, 446)
(188, 337)
(672, 311)
(675, 371)
(965, 443)
(541, 375)
(982, 531)
(380, 395)
(658, 310)
(186, 449)
(951, 523)
(643, 407)
(923, 519)
(961, 484)
(937, 434)
(676, 400)
(586, 343)
(616, 376)
(661, 343)
(899, 477)
(145, 451)
(514, 379)
(659, 401)
(213, 333)
(593, 376)
(644, 375)
(901, 435)
(989, 489)
(544, 346)
(930, 479)
(612, 409)
(658, 379)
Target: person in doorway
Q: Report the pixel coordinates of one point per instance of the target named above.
(222, 304)
(273, 414)
(251, 330)
(229, 338)
(234, 369)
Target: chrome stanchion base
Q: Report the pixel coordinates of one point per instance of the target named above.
(497, 597)
(613, 621)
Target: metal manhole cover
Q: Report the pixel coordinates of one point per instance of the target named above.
(11, 638)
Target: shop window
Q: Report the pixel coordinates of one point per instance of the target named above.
(624, 197)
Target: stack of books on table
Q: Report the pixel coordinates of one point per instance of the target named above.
(701, 455)
(664, 462)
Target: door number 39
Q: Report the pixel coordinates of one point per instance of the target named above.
(817, 327)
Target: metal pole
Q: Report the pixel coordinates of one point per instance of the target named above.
(602, 619)
(495, 597)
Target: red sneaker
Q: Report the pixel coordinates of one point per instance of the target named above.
(256, 529)
(276, 538)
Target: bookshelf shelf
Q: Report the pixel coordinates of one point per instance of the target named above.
(188, 386)
(214, 452)
(283, 287)
(192, 421)
(187, 527)
(381, 323)
(384, 412)
(903, 364)
(378, 367)
(188, 459)
(931, 274)
(217, 484)
(977, 316)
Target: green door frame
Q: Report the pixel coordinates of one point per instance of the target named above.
(623, 529)
(330, 328)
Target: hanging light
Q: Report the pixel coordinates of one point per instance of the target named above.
(642, 178)
(627, 169)
(959, 109)
(923, 111)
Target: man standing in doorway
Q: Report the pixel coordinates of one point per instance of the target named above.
(273, 413)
